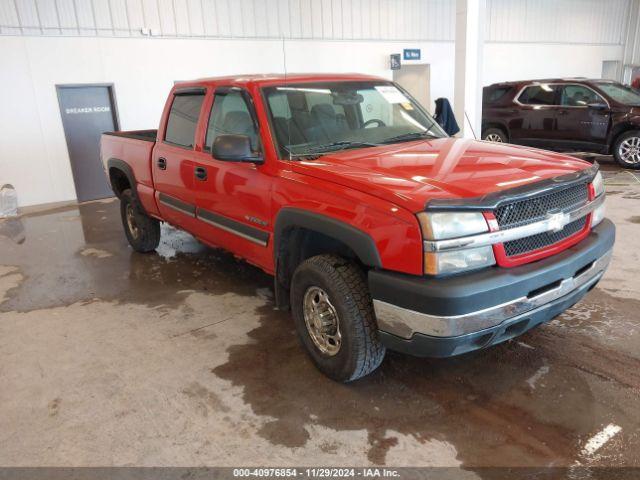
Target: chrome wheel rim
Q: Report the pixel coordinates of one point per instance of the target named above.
(131, 221)
(629, 150)
(493, 137)
(322, 321)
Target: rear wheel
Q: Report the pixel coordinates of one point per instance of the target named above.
(334, 317)
(142, 231)
(626, 149)
(495, 135)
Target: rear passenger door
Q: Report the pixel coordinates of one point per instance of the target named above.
(536, 124)
(233, 196)
(173, 159)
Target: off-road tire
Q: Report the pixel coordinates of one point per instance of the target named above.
(616, 149)
(345, 283)
(147, 237)
(491, 135)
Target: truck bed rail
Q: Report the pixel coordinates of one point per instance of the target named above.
(145, 135)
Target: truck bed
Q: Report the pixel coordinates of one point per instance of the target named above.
(133, 148)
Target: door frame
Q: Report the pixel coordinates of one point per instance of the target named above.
(407, 66)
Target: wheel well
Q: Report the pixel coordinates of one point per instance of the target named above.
(296, 244)
(618, 130)
(119, 181)
(497, 126)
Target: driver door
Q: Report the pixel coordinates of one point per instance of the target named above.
(232, 197)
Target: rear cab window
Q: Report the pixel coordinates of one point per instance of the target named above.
(183, 118)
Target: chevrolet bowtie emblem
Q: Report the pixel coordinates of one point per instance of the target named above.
(557, 221)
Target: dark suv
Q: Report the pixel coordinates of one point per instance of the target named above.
(574, 114)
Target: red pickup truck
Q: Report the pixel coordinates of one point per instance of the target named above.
(380, 231)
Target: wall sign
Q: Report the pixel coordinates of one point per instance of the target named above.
(411, 54)
(394, 61)
(75, 110)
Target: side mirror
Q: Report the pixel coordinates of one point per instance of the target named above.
(598, 106)
(234, 148)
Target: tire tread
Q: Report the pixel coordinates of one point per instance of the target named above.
(349, 279)
(149, 227)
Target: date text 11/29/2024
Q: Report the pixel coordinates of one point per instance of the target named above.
(318, 472)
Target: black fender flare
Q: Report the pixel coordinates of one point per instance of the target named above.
(357, 240)
(128, 172)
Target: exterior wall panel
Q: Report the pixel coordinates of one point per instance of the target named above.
(557, 21)
(519, 21)
(421, 20)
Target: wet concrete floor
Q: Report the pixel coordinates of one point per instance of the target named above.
(109, 357)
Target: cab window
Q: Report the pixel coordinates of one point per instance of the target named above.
(230, 114)
(183, 119)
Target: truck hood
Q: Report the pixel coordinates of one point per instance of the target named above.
(410, 174)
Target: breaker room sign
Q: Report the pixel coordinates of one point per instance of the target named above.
(76, 110)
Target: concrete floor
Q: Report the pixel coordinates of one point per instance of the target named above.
(178, 358)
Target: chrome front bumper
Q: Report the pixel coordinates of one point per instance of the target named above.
(405, 323)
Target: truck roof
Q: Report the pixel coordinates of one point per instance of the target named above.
(278, 78)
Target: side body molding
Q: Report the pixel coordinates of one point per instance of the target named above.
(357, 240)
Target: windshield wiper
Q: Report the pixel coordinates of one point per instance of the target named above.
(333, 147)
(410, 136)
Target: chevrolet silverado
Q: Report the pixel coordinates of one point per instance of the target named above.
(381, 232)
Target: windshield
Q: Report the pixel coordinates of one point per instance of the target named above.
(621, 93)
(316, 118)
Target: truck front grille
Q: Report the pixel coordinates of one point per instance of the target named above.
(531, 210)
(542, 240)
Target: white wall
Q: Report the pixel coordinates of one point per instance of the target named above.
(523, 61)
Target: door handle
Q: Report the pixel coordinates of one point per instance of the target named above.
(201, 173)
(562, 112)
(162, 163)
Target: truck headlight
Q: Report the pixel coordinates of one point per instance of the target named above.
(458, 260)
(446, 225)
(598, 184)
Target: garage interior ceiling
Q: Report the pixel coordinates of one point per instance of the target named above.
(549, 21)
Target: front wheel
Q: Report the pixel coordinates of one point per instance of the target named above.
(626, 149)
(334, 317)
(495, 135)
(142, 231)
